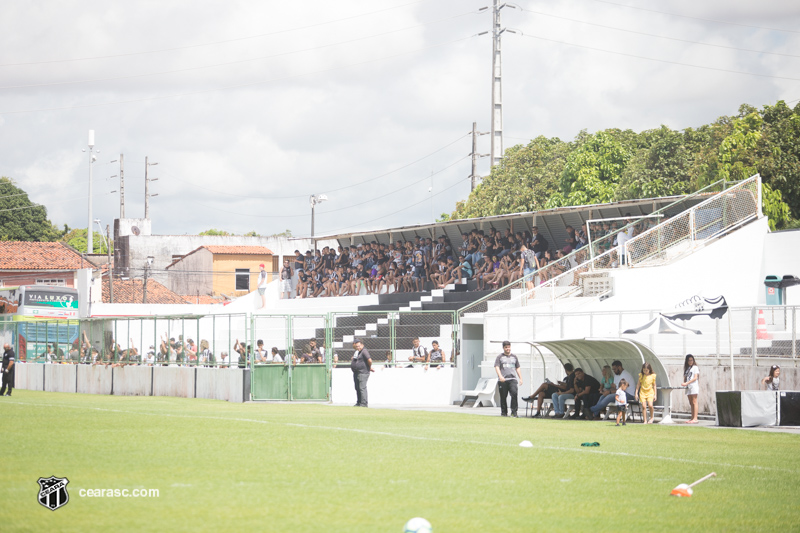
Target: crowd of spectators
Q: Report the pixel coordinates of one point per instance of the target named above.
(492, 259)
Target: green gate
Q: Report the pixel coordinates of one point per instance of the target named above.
(294, 378)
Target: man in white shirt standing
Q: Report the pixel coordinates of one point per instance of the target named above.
(622, 238)
(262, 285)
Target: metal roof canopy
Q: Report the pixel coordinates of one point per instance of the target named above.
(552, 223)
(593, 354)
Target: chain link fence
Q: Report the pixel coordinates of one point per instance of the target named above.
(584, 271)
(681, 233)
(389, 336)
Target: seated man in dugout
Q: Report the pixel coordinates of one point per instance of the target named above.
(587, 392)
(548, 388)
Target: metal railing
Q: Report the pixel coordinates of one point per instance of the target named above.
(665, 242)
(739, 333)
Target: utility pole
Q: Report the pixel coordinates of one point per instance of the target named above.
(497, 84)
(147, 266)
(475, 155)
(121, 187)
(144, 288)
(147, 194)
(110, 270)
(92, 159)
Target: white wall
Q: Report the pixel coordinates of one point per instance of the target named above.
(399, 386)
(781, 258)
(731, 266)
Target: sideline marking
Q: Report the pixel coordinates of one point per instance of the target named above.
(412, 437)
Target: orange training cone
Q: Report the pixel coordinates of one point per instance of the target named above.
(761, 330)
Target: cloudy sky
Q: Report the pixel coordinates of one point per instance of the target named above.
(250, 107)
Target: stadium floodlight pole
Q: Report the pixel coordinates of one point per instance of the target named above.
(315, 199)
(92, 158)
(497, 84)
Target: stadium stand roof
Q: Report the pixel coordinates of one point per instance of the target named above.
(552, 223)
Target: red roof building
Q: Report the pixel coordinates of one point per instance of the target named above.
(40, 263)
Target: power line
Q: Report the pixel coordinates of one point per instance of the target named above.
(61, 200)
(347, 208)
(239, 85)
(662, 60)
(458, 182)
(174, 48)
(325, 191)
(228, 63)
(661, 36)
(697, 18)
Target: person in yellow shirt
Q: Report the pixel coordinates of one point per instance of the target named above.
(646, 391)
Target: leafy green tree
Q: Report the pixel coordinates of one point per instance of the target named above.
(21, 219)
(77, 239)
(775, 208)
(215, 233)
(523, 181)
(778, 152)
(659, 168)
(284, 234)
(592, 171)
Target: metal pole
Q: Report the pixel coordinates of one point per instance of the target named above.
(474, 176)
(146, 191)
(121, 187)
(110, 270)
(144, 289)
(497, 93)
(313, 242)
(730, 348)
(89, 243)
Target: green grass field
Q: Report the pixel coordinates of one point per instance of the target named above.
(300, 467)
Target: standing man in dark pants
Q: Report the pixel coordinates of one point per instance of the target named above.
(8, 369)
(507, 367)
(361, 367)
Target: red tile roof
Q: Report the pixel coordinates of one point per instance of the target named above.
(130, 291)
(204, 299)
(23, 255)
(239, 250)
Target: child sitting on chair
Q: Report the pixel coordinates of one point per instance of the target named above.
(621, 402)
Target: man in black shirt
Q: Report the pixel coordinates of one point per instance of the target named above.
(539, 244)
(8, 369)
(361, 365)
(507, 367)
(587, 392)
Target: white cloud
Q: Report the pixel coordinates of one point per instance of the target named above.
(319, 120)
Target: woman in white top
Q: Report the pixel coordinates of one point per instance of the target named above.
(773, 381)
(690, 376)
